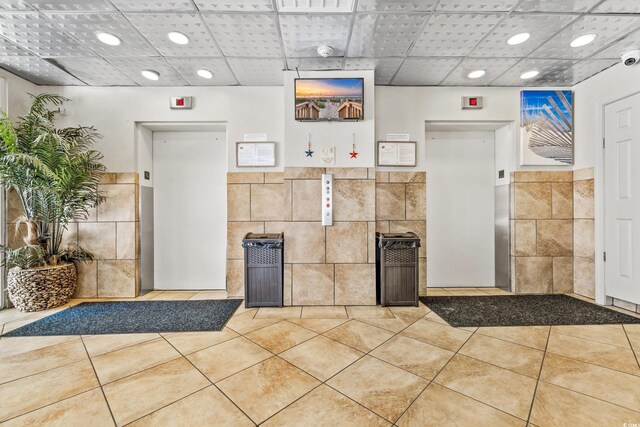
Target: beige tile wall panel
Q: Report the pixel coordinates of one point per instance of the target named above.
(354, 200)
(584, 235)
(407, 177)
(126, 178)
(355, 284)
(303, 173)
(245, 178)
(583, 204)
(562, 200)
(313, 284)
(524, 233)
(543, 176)
(274, 177)
(416, 202)
(583, 174)
(348, 173)
(382, 226)
(532, 200)
(288, 284)
(306, 200)
(422, 276)
(390, 201)
(70, 236)
(555, 237)
(267, 202)
(371, 242)
(87, 284)
(120, 203)
(584, 276)
(127, 240)
(382, 177)
(562, 275)
(116, 278)
(304, 242)
(534, 275)
(238, 202)
(347, 242)
(236, 232)
(98, 238)
(235, 277)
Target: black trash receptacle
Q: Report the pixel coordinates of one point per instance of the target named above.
(263, 269)
(397, 268)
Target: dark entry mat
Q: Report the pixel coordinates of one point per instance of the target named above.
(133, 317)
(522, 310)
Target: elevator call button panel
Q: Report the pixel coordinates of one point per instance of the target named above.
(327, 199)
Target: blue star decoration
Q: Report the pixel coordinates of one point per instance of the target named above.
(309, 152)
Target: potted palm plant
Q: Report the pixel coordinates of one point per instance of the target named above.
(55, 173)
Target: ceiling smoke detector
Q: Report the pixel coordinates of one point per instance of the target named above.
(325, 51)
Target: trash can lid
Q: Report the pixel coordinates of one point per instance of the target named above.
(408, 235)
(264, 236)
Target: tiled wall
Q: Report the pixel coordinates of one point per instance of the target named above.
(583, 233)
(323, 265)
(542, 232)
(110, 233)
(401, 205)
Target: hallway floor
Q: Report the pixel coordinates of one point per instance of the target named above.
(330, 366)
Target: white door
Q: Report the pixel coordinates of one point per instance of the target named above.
(190, 210)
(622, 199)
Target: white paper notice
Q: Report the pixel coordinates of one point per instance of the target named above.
(387, 154)
(396, 153)
(256, 154)
(406, 154)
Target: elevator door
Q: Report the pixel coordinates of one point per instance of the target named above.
(189, 205)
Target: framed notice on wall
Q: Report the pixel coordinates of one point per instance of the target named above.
(255, 154)
(396, 153)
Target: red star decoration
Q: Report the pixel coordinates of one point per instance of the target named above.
(354, 154)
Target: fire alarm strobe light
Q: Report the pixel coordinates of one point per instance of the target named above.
(471, 102)
(180, 103)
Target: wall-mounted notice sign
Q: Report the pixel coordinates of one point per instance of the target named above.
(254, 154)
(392, 153)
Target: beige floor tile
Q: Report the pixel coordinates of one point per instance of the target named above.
(209, 295)
(124, 362)
(438, 406)
(596, 381)
(508, 355)
(633, 333)
(227, 358)
(497, 387)
(614, 357)
(321, 357)
(140, 394)
(433, 317)
(379, 386)
(100, 344)
(16, 345)
(32, 362)
(245, 311)
(8, 327)
(324, 312)
(442, 336)
(555, 406)
(278, 313)
(607, 334)
(496, 291)
(245, 324)
(205, 407)
(325, 407)
(28, 394)
(369, 312)
(471, 292)
(394, 325)
(281, 336)
(438, 293)
(174, 296)
(319, 325)
(415, 356)
(266, 388)
(85, 409)
(420, 311)
(359, 335)
(190, 342)
(530, 336)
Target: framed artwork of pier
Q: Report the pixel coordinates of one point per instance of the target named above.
(546, 127)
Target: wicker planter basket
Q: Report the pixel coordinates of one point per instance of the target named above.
(41, 288)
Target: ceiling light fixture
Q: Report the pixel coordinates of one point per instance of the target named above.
(529, 74)
(108, 38)
(583, 40)
(205, 74)
(150, 74)
(518, 38)
(476, 74)
(177, 37)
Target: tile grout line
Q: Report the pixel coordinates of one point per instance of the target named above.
(631, 345)
(535, 390)
(99, 383)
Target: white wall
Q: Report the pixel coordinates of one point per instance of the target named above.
(15, 94)
(460, 209)
(330, 134)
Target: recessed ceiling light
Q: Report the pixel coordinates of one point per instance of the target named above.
(529, 74)
(518, 38)
(178, 38)
(150, 74)
(205, 74)
(476, 74)
(109, 39)
(583, 40)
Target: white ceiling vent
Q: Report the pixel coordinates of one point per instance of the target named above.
(307, 6)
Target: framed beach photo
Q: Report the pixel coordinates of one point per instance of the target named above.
(546, 127)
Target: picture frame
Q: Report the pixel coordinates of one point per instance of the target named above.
(255, 154)
(396, 153)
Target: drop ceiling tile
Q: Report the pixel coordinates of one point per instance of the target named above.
(556, 5)
(424, 71)
(302, 34)
(72, 5)
(154, 27)
(38, 71)
(258, 72)
(245, 35)
(381, 35)
(618, 6)
(550, 73)
(187, 67)
(607, 28)
(14, 5)
(615, 50)
(131, 67)
(385, 68)
(312, 6)
(154, 6)
(314, 63)
(34, 32)
(235, 5)
(8, 48)
(493, 67)
(83, 26)
(539, 26)
(396, 5)
(476, 5)
(95, 71)
(453, 34)
(580, 71)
